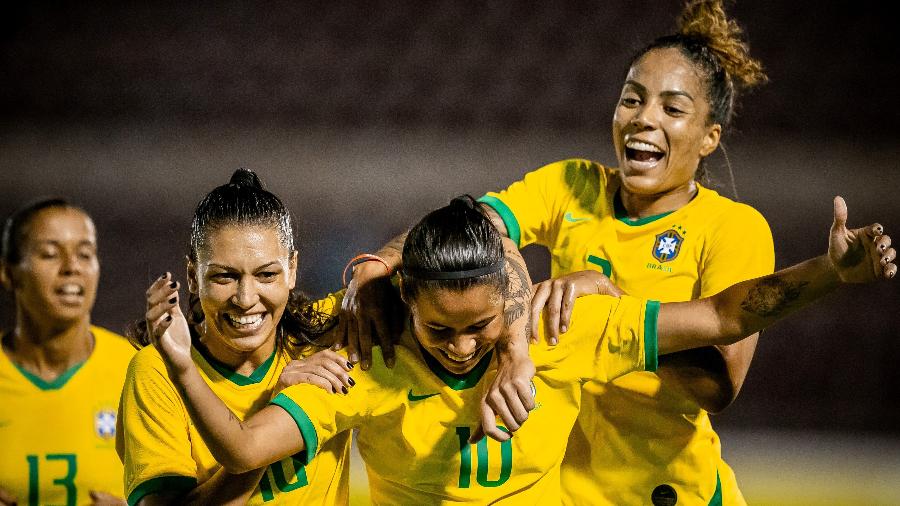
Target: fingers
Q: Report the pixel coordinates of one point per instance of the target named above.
(498, 404)
(840, 214)
(325, 369)
(6, 498)
(340, 338)
(385, 340)
(364, 334)
(352, 339)
(568, 302)
(488, 426)
(552, 310)
(538, 301)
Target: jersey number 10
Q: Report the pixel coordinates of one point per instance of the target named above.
(481, 475)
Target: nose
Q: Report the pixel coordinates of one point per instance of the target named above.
(71, 264)
(463, 344)
(644, 118)
(246, 295)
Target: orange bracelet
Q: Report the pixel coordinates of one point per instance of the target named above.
(365, 257)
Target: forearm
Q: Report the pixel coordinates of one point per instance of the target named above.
(392, 252)
(518, 299)
(712, 376)
(745, 308)
(229, 439)
(225, 489)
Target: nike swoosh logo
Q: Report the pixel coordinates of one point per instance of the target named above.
(571, 219)
(413, 397)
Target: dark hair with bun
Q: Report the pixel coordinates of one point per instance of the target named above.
(712, 42)
(455, 238)
(244, 201)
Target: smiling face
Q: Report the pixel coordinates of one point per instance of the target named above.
(243, 276)
(458, 327)
(56, 279)
(660, 127)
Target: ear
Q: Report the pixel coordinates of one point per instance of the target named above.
(292, 271)
(6, 276)
(402, 290)
(193, 282)
(711, 140)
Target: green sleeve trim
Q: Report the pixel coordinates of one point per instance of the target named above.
(651, 341)
(307, 429)
(161, 484)
(506, 214)
(42, 384)
(602, 263)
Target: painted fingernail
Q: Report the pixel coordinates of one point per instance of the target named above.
(349, 365)
(172, 300)
(168, 318)
(344, 389)
(352, 383)
(173, 284)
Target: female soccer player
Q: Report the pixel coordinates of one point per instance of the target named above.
(60, 376)
(656, 232)
(415, 420)
(246, 326)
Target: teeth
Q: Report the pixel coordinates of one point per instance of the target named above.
(70, 289)
(457, 358)
(642, 146)
(245, 320)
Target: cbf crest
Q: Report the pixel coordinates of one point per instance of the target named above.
(667, 245)
(105, 423)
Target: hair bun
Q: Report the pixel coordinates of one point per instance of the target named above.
(466, 201)
(245, 177)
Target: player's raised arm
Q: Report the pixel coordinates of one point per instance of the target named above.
(859, 255)
(240, 446)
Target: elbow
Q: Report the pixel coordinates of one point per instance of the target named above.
(701, 375)
(239, 465)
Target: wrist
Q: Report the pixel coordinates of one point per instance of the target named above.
(367, 266)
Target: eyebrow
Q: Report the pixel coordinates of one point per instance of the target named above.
(228, 268)
(669, 93)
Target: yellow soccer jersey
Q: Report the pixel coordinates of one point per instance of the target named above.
(162, 450)
(58, 438)
(414, 420)
(647, 441)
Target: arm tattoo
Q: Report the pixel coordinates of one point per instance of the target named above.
(770, 297)
(518, 294)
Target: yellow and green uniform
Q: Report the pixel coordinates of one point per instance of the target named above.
(642, 436)
(414, 420)
(163, 451)
(57, 438)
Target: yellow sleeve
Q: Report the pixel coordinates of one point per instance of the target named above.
(156, 446)
(619, 333)
(740, 249)
(533, 207)
(321, 415)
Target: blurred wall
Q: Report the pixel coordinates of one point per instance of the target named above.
(363, 117)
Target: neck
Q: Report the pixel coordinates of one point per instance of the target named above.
(48, 349)
(642, 206)
(239, 361)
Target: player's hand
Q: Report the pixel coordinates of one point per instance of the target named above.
(103, 499)
(859, 255)
(7, 499)
(509, 396)
(167, 325)
(370, 314)
(556, 298)
(325, 369)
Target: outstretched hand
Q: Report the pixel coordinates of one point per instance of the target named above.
(166, 324)
(859, 255)
(326, 369)
(508, 396)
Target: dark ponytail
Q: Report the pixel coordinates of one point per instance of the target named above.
(455, 247)
(244, 201)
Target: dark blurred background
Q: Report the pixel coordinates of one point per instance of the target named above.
(363, 115)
